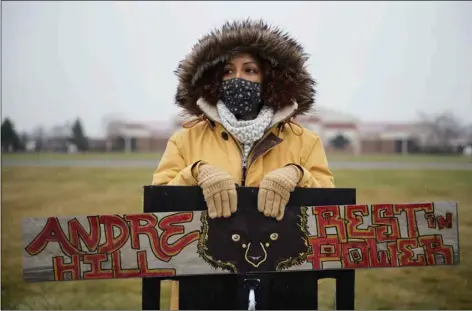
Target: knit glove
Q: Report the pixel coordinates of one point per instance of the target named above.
(219, 191)
(275, 188)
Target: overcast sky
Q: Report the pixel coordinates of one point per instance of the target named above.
(380, 61)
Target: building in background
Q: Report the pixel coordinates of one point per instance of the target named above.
(389, 138)
(133, 136)
(338, 131)
(344, 133)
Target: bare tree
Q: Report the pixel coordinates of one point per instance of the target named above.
(468, 133)
(441, 129)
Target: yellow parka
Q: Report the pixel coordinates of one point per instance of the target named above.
(287, 87)
(283, 143)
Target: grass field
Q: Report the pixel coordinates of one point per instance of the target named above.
(80, 191)
(333, 157)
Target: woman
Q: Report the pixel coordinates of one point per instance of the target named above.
(245, 82)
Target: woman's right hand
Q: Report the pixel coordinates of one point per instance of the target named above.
(219, 191)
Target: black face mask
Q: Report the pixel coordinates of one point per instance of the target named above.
(242, 97)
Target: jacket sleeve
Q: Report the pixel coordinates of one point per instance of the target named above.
(172, 170)
(314, 165)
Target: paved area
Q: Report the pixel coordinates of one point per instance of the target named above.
(153, 164)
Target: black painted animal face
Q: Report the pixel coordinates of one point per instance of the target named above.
(249, 241)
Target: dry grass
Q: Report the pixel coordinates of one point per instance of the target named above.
(81, 191)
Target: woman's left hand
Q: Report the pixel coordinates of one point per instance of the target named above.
(274, 190)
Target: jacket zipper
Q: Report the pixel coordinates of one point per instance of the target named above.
(243, 179)
(243, 164)
(246, 162)
(245, 169)
(257, 144)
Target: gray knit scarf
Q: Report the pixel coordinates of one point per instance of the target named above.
(246, 132)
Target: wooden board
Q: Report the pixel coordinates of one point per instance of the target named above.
(190, 243)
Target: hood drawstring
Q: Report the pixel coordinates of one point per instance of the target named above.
(193, 122)
(291, 124)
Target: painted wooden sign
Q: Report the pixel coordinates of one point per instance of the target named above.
(190, 243)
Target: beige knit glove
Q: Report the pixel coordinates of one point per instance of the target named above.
(275, 188)
(219, 191)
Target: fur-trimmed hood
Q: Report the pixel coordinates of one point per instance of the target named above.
(286, 79)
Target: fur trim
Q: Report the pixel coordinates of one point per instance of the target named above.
(286, 79)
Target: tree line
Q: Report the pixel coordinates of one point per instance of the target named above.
(12, 141)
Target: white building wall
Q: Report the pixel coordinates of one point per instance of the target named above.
(135, 133)
(396, 135)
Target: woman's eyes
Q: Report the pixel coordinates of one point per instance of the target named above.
(251, 70)
(247, 70)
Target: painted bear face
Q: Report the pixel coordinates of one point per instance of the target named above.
(248, 241)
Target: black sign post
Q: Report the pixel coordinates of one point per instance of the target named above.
(294, 290)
